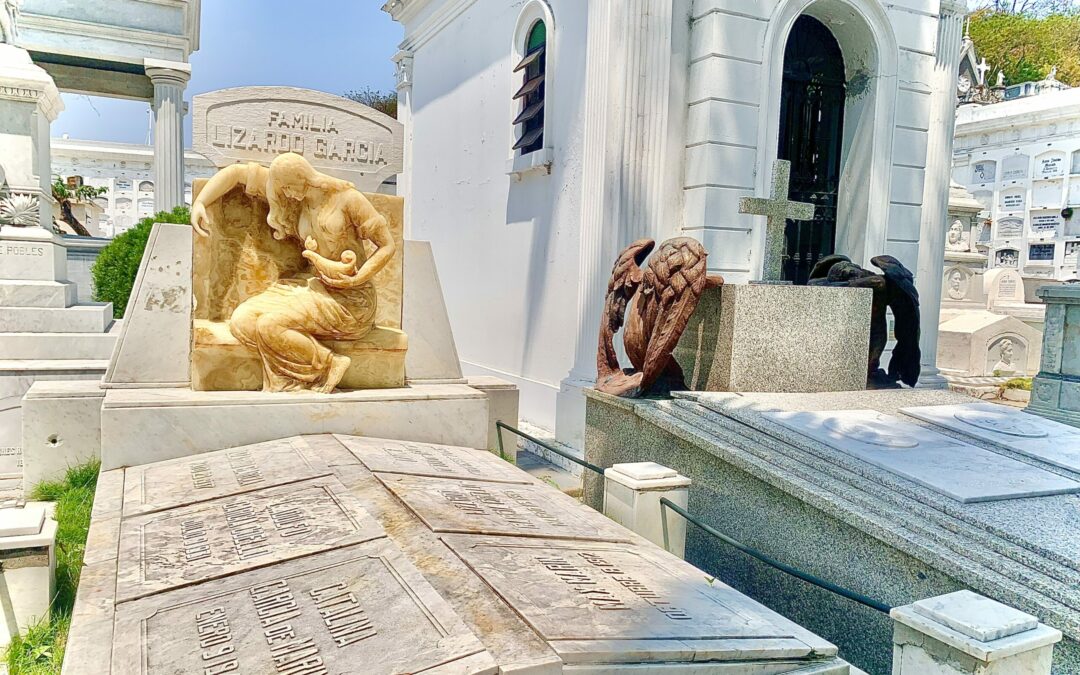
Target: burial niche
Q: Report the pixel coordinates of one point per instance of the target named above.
(811, 137)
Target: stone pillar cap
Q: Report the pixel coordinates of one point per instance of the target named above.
(646, 476)
(20, 521)
(976, 625)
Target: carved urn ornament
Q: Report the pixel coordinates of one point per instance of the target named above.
(655, 304)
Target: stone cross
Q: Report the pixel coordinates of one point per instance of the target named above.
(982, 68)
(778, 208)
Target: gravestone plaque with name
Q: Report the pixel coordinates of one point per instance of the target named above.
(1027, 434)
(479, 507)
(426, 459)
(1046, 223)
(1013, 200)
(187, 480)
(621, 602)
(1050, 165)
(361, 609)
(1009, 228)
(1015, 167)
(339, 137)
(197, 542)
(984, 171)
(946, 465)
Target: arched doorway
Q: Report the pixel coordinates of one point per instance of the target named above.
(811, 136)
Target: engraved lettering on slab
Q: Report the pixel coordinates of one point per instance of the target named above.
(958, 470)
(358, 609)
(427, 459)
(22, 250)
(1052, 442)
(217, 474)
(479, 507)
(582, 596)
(192, 543)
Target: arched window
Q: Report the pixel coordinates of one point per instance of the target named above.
(530, 119)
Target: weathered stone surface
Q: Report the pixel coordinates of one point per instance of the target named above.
(480, 507)
(187, 480)
(1027, 434)
(620, 603)
(959, 470)
(194, 543)
(425, 459)
(359, 609)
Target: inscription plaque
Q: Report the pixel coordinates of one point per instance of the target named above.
(482, 507)
(187, 480)
(603, 602)
(197, 542)
(427, 459)
(359, 609)
(1038, 437)
(944, 464)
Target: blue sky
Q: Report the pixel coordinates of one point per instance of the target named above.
(331, 45)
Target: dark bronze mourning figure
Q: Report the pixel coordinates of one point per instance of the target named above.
(893, 289)
(656, 303)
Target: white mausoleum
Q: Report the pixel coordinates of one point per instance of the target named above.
(1021, 160)
(544, 136)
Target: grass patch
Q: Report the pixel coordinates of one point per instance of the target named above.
(41, 649)
(1023, 383)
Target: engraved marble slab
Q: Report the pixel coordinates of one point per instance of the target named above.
(358, 609)
(429, 459)
(1050, 441)
(197, 542)
(599, 602)
(956, 469)
(478, 507)
(187, 480)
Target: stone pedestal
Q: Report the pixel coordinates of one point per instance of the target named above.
(27, 564)
(632, 495)
(61, 427)
(1056, 390)
(965, 633)
(502, 406)
(777, 339)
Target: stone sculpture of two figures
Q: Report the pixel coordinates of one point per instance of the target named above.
(334, 299)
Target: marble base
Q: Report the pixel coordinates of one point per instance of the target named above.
(61, 427)
(36, 293)
(31, 254)
(772, 338)
(89, 318)
(220, 363)
(502, 406)
(148, 425)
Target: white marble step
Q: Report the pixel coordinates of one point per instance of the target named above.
(88, 318)
(57, 345)
(19, 293)
(77, 368)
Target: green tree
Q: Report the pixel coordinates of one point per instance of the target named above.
(383, 101)
(1026, 46)
(117, 265)
(66, 196)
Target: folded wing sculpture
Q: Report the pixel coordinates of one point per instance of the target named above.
(655, 304)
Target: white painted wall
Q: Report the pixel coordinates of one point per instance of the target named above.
(1016, 136)
(507, 251)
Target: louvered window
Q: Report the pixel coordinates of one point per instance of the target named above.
(530, 136)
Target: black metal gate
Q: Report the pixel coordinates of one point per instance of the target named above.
(811, 137)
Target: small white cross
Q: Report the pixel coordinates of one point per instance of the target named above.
(779, 209)
(982, 68)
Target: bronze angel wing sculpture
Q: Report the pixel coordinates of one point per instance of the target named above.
(893, 289)
(655, 303)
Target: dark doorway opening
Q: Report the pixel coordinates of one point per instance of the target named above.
(811, 138)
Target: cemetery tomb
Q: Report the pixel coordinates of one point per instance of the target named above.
(229, 562)
(854, 488)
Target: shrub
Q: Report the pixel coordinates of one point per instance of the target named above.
(117, 265)
(1023, 383)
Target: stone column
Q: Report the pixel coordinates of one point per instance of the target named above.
(964, 632)
(626, 173)
(935, 219)
(403, 61)
(169, 79)
(1055, 393)
(632, 495)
